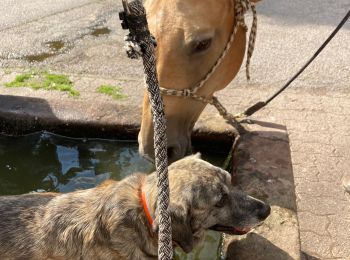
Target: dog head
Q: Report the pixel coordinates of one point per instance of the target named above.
(202, 197)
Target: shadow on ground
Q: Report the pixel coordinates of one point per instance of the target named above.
(248, 248)
(313, 12)
(264, 170)
(21, 115)
(305, 256)
(265, 167)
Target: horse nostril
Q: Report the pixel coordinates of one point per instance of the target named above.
(264, 211)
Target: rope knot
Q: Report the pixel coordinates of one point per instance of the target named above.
(186, 92)
(132, 47)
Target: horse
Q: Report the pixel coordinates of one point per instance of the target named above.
(191, 37)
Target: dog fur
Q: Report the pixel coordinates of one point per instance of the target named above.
(109, 222)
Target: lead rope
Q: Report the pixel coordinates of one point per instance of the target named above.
(134, 19)
(259, 105)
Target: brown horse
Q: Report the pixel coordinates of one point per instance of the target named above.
(191, 35)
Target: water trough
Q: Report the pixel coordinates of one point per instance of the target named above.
(264, 165)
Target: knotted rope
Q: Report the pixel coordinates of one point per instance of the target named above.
(134, 18)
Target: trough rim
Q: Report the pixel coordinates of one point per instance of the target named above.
(21, 115)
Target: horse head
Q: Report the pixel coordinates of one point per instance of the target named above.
(191, 35)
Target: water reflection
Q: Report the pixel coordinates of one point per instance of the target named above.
(54, 163)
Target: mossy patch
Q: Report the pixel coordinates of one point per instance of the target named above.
(44, 80)
(113, 91)
(7, 70)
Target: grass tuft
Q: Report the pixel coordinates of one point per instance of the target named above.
(44, 80)
(113, 91)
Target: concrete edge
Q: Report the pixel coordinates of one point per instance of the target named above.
(75, 118)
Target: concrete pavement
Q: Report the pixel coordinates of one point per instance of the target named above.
(315, 110)
(16, 13)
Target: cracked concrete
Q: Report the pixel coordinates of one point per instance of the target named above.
(315, 110)
(319, 139)
(265, 171)
(320, 142)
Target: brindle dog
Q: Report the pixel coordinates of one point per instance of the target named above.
(110, 221)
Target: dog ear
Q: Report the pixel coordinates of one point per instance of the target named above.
(181, 223)
(181, 226)
(197, 155)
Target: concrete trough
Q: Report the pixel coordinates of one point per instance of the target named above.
(264, 167)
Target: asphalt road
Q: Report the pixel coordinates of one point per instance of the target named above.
(18, 12)
(289, 32)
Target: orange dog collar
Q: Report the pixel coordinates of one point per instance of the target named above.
(145, 208)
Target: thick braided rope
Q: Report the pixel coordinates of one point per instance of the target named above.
(165, 250)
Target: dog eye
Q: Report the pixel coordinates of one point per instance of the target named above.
(200, 46)
(222, 201)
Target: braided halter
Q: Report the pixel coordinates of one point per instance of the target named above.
(241, 7)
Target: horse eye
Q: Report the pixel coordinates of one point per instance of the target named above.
(222, 201)
(201, 46)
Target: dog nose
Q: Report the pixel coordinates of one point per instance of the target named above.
(264, 211)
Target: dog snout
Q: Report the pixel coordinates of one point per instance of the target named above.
(264, 211)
